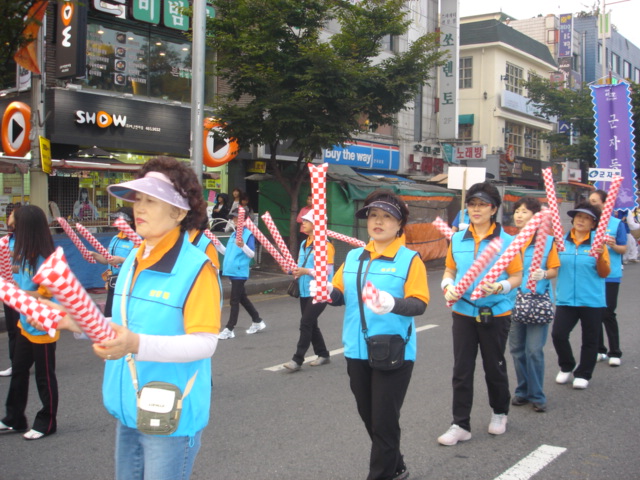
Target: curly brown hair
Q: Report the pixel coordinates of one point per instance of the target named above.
(186, 183)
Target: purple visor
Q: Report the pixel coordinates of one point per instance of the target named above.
(154, 184)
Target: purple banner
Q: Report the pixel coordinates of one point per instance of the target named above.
(614, 138)
(565, 42)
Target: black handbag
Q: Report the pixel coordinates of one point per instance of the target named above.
(293, 289)
(533, 308)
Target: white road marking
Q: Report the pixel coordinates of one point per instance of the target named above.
(337, 351)
(532, 463)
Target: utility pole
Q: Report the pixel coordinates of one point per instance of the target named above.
(197, 85)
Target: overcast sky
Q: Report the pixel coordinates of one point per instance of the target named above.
(625, 15)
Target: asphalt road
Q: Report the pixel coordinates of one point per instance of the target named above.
(267, 423)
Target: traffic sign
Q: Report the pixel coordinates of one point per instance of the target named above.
(603, 174)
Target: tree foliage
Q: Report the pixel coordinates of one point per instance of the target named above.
(309, 72)
(13, 13)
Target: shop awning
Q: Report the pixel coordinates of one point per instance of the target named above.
(95, 165)
(466, 119)
(513, 194)
(387, 176)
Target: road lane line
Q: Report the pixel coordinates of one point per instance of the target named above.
(337, 351)
(532, 463)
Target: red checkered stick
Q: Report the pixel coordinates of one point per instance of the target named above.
(600, 236)
(320, 256)
(76, 240)
(344, 238)
(122, 225)
(552, 200)
(240, 221)
(56, 275)
(512, 250)
(216, 243)
(93, 241)
(371, 294)
(477, 267)
(27, 305)
(443, 227)
(538, 249)
(266, 243)
(280, 243)
(6, 270)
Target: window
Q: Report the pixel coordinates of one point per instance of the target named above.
(626, 72)
(513, 135)
(615, 63)
(466, 72)
(514, 77)
(465, 133)
(600, 53)
(636, 75)
(532, 143)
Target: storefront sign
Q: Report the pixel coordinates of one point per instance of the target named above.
(368, 155)
(565, 42)
(450, 44)
(45, 154)
(472, 152)
(603, 174)
(71, 39)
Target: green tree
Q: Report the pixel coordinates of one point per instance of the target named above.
(292, 81)
(13, 13)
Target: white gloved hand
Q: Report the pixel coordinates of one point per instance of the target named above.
(386, 303)
(492, 288)
(450, 294)
(462, 226)
(538, 275)
(313, 288)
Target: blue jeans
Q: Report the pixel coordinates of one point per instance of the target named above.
(154, 457)
(526, 343)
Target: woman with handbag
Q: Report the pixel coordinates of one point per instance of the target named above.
(470, 329)
(401, 278)
(310, 333)
(529, 329)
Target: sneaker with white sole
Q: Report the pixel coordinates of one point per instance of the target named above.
(563, 377)
(614, 361)
(7, 372)
(226, 334)
(256, 327)
(454, 435)
(498, 423)
(580, 383)
(601, 357)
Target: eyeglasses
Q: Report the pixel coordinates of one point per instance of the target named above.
(478, 205)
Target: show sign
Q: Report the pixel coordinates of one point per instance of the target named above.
(367, 155)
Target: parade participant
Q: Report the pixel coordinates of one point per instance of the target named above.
(470, 330)
(236, 262)
(617, 246)
(310, 333)
(84, 209)
(119, 247)
(11, 316)
(460, 224)
(303, 211)
(526, 341)
(200, 241)
(401, 277)
(580, 296)
(33, 244)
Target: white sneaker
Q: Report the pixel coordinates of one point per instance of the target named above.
(614, 361)
(563, 377)
(454, 435)
(580, 383)
(601, 357)
(7, 372)
(256, 327)
(498, 424)
(226, 334)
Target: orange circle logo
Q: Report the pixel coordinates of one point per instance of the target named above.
(67, 13)
(103, 119)
(16, 126)
(216, 151)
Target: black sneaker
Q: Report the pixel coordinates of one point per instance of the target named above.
(519, 401)
(539, 407)
(401, 473)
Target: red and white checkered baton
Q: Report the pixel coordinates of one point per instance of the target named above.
(443, 227)
(76, 240)
(371, 295)
(552, 200)
(56, 275)
(216, 242)
(600, 236)
(280, 243)
(27, 305)
(122, 225)
(6, 267)
(266, 243)
(318, 175)
(511, 251)
(345, 238)
(94, 242)
(240, 221)
(477, 267)
(538, 249)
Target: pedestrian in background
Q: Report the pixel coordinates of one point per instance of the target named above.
(11, 316)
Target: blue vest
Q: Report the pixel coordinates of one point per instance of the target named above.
(579, 284)
(541, 285)
(305, 260)
(119, 247)
(236, 263)
(155, 306)
(201, 242)
(616, 258)
(388, 274)
(24, 280)
(463, 250)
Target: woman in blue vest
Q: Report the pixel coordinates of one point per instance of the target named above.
(470, 330)
(401, 277)
(580, 297)
(11, 316)
(166, 314)
(310, 333)
(526, 341)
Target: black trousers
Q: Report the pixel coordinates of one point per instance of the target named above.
(25, 355)
(379, 397)
(239, 297)
(310, 333)
(468, 335)
(566, 319)
(610, 322)
(11, 319)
